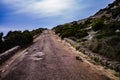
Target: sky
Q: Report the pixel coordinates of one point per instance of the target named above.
(32, 14)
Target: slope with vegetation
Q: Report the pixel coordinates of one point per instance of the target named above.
(17, 38)
(99, 33)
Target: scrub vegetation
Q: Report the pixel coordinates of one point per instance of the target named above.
(17, 38)
(105, 25)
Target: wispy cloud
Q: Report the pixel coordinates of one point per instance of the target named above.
(44, 8)
(31, 14)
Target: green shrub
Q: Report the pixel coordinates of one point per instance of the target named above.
(1, 36)
(97, 24)
(67, 33)
(81, 33)
(71, 30)
(15, 38)
(116, 12)
(37, 31)
(108, 30)
(108, 47)
(28, 38)
(1, 42)
(103, 34)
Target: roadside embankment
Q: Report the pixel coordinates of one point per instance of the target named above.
(7, 54)
(96, 57)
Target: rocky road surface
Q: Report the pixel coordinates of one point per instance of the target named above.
(48, 59)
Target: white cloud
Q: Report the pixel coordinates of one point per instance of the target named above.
(44, 7)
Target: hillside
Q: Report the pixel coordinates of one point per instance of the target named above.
(99, 33)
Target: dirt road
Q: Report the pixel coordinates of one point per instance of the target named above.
(49, 59)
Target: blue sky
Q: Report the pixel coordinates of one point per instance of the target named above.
(32, 14)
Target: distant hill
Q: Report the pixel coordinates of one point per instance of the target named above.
(99, 33)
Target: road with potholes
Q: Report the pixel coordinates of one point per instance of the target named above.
(49, 59)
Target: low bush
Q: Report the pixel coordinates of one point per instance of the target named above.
(71, 30)
(17, 38)
(98, 24)
(108, 47)
(116, 12)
